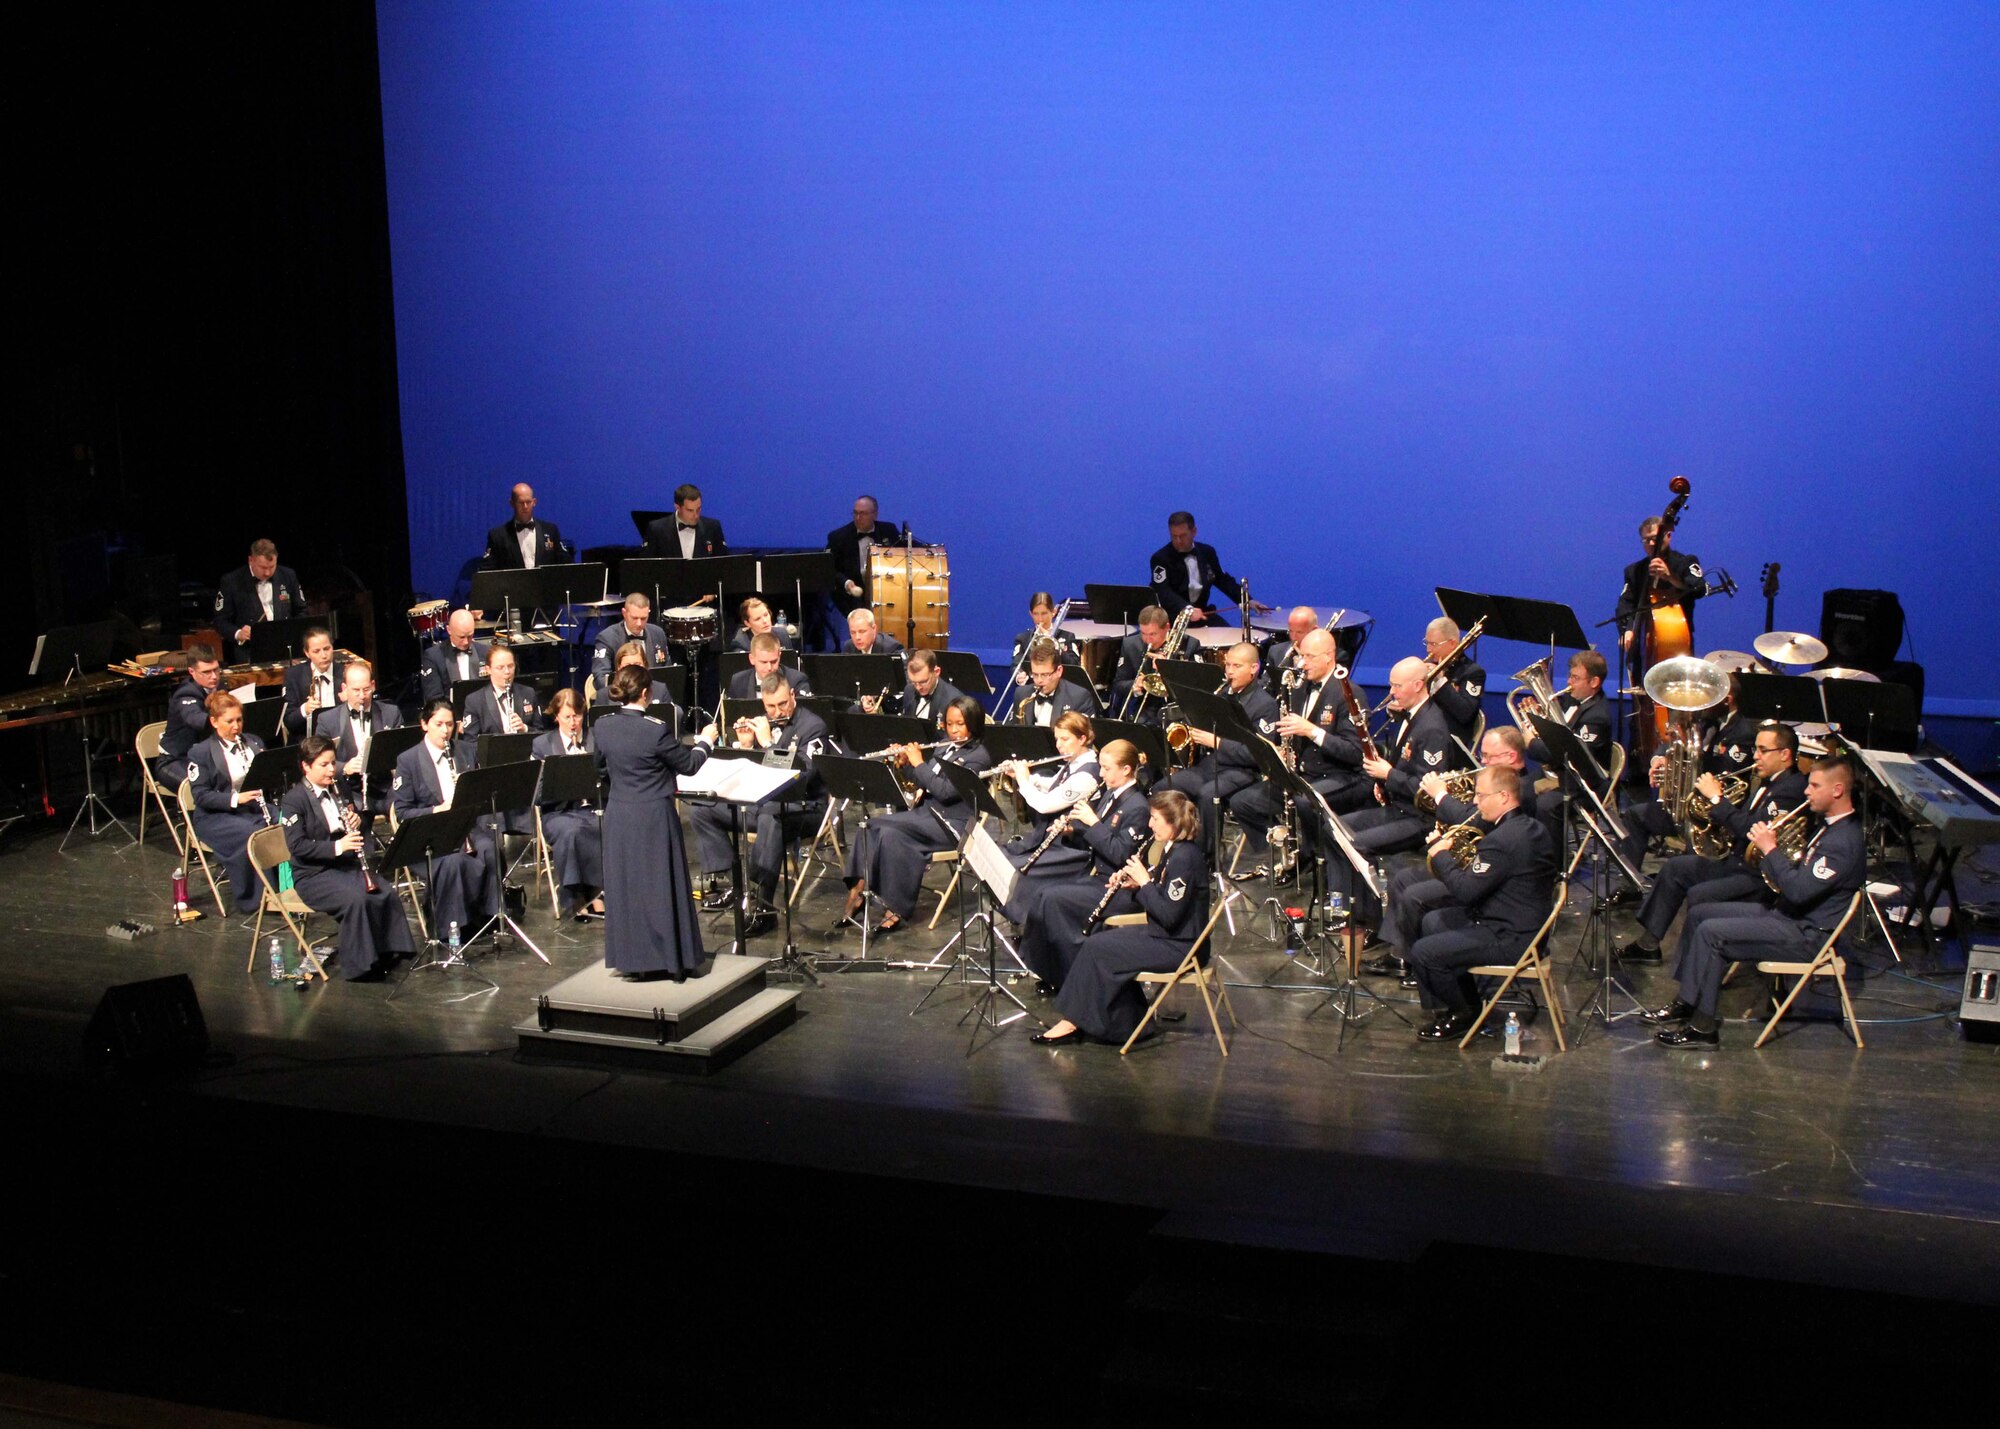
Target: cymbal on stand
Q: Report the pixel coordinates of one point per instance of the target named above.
(1789, 647)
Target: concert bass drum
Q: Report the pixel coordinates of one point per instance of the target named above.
(912, 583)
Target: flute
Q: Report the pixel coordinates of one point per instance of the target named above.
(1031, 764)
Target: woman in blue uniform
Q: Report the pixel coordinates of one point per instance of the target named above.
(576, 843)
(1099, 999)
(650, 928)
(226, 813)
(1110, 824)
(888, 857)
(464, 888)
(323, 838)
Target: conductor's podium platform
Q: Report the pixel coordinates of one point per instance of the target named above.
(700, 1025)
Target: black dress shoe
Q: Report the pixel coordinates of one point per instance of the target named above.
(1673, 1013)
(1633, 953)
(1388, 965)
(1068, 1039)
(1623, 897)
(1448, 1028)
(758, 924)
(1406, 982)
(1045, 987)
(1690, 1036)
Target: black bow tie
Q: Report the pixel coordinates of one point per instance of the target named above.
(520, 526)
(1045, 699)
(683, 526)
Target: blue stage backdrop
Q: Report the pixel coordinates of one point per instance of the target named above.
(1391, 295)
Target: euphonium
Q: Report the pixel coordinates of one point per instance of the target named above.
(1150, 679)
(1540, 682)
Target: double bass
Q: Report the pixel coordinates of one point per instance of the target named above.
(1661, 629)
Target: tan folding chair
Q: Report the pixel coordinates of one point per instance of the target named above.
(1190, 970)
(267, 854)
(1529, 967)
(146, 744)
(201, 851)
(1827, 962)
(950, 856)
(545, 863)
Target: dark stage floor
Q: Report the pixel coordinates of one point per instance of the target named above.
(1809, 1162)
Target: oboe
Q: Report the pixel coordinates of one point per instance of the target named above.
(1111, 886)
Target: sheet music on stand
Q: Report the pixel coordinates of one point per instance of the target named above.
(740, 781)
(990, 864)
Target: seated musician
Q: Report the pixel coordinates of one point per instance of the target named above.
(258, 591)
(1728, 744)
(311, 685)
(1316, 728)
(787, 730)
(888, 855)
(1283, 655)
(1813, 893)
(324, 841)
(1154, 624)
(1588, 714)
(632, 652)
(1052, 788)
(225, 812)
(766, 659)
(504, 706)
(1499, 901)
(1416, 891)
(1457, 694)
(926, 691)
(757, 620)
(1187, 572)
(1732, 743)
(635, 623)
(1691, 880)
(865, 637)
(187, 715)
(1099, 999)
(460, 657)
(351, 724)
(1226, 768)
(461, 887)
(523, 543)
(1421, 744)
(1052, 901)
(687, 534)
(573, 831)
(1042, 612)
(1054, 694)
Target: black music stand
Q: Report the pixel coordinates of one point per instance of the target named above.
(870, 783)
(493, 791)
(1788, 699)
(1027, 742)
(964, 671)
(378, 771)
(1117, 604)
(273, 771)
(463, 690)
(427, 838)
(1151, 743)
(280, 641)
(1219, 715)
(1604, 840)
(854, 675)
(978, 796)
(804, 573)
(491, 749)
(1873, 715)
(866, 732)
(73, 649)
(262, 718)
(790, 961)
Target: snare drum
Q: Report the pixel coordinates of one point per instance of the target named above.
(688, 624)
(429, 618)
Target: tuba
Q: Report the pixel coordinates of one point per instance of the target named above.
(1540, 683)
(1685, 686)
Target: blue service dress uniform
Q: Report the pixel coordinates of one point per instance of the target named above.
(893, 850)
(1052, 910)
(1499, 902)
(573, 830)
(1100, 995)
(650, 927)
(779, 820)
(372, 925)
(224, 825)
(187, 726)
(1690, 880)
(463, 888)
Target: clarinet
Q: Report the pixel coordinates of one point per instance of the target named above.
(1057, 828)
(347, 811)
(1111, 887)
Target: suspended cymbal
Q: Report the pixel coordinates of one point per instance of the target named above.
(1789, 647)
(1686, 684)
(1732, 661)
(1837, 672)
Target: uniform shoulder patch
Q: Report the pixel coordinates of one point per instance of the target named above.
(1482, 867)
(220, 600)
(1694, 568)
(397, 782)
(1159, 578)
(1433, 756)
(654, 719)
(291, 819)
(1326, 717)
(1265, 726)
(1473, 687)
(1821, 870)
(814, 746)
(1177, 890)
(194, 770)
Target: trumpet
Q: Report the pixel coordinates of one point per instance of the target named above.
(1112, 885)
(1791, 832)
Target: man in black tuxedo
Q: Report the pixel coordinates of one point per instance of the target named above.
(865, 637)
(524, 544)
(311, 685)
(460, 657)
(1052, 694)
(850, 546)
(1188, 572)
(687, 533)
(358, 718)
(260, 590)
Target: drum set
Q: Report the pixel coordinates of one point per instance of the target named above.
(1776, 650)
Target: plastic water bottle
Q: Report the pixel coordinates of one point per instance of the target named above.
(1336, 910)
(452, 941)
(180, 891)
(1513, 1034)
(277, 961)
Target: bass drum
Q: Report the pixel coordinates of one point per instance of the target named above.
(912, 582)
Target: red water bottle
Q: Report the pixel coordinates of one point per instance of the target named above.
(180, 891)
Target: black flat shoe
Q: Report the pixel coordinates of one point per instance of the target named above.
(1388, 965)
(1673, 1013)
(1690, 1037)
(1633, 953)
(1045, 987)
(1068, 1039)
(885, 928)
(1448, 1028)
